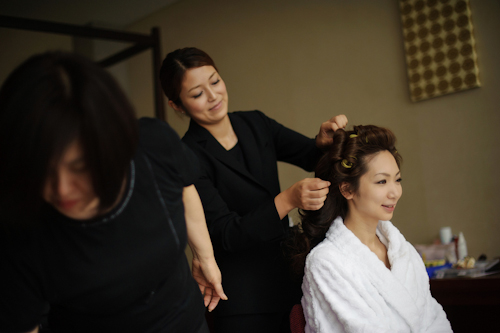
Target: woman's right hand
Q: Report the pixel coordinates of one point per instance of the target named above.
(307, 194)
(207, 275)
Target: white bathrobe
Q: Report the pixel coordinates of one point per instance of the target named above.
(347, 288)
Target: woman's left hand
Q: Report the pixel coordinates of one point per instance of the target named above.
(207, 275)
(325, 135)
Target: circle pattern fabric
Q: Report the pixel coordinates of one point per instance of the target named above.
(440, 48)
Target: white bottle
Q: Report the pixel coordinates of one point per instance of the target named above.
(461, 246)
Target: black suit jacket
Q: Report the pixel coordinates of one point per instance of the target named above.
(239, 206)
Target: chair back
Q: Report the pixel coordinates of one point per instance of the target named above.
(297, 319)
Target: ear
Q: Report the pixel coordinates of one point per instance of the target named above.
(176, 107)
(345, 190)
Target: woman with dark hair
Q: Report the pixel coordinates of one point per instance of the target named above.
(361, 275)
(96, 209)
(245, 209)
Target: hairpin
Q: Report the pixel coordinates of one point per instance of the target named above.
(346, 164)
(353, 136)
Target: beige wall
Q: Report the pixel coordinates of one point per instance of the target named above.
(17, 45)
(302, 62)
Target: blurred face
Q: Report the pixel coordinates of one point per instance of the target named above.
(379, 190)
(69, 187)
(204, 95)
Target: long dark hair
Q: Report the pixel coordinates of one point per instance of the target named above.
(175, 64)
(49, 101)
(345, 162)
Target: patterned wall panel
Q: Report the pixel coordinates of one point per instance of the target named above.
(440, 48)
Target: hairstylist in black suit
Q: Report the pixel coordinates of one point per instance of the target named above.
(239, 188)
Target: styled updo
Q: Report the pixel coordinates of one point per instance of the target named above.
(345, 162)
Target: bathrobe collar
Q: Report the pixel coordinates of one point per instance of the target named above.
(389, 282)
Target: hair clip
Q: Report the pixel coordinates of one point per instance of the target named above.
(346, 164)
(353, 136)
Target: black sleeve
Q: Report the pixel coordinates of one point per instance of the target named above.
(293, 147)
(164, 146)
(232, 232)
(21, 303)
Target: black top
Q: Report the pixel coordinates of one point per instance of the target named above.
(244, 225)
(123, 272)
(238, 154)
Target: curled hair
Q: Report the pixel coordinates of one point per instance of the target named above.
(49, 101)
(345, 162)
(175, 64)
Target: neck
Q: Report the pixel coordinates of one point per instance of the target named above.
(365, 230)
(223, 132)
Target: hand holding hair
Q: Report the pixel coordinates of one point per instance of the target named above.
(325, 135)
(308, 194)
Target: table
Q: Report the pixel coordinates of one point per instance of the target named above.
(471, 304)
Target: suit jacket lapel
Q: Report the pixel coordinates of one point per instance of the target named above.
(248, 145)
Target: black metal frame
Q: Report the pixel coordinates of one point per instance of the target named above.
(141, 42)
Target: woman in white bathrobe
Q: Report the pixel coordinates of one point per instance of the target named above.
(361, 275)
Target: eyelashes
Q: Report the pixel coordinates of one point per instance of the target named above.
(399, 180)
(201, 92)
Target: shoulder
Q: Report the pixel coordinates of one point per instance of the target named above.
(152, 128)
(325, 256)
(336, 252)
(162, 145)
(257, 122)
(248, 115)
(157, 137)
(254, 116)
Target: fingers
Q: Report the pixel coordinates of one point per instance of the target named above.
(312, 193)
(314, 203)
(219, 291)
(335, 123)
(325, 136)
(313, 184)
(213, 302)
(211, 298)
(202, 289)
(317, 194)
(339, 121)
(207, 296)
